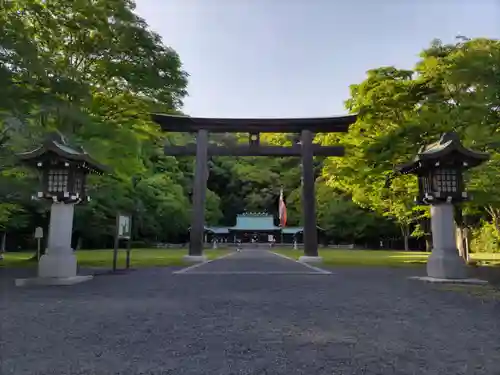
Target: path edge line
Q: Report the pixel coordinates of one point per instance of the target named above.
(292, 273)
(317, 269)
(185, 269)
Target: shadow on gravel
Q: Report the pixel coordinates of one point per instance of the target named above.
(489, 273)
(111, 272)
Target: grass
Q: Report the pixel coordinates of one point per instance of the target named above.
(335, 257)
(487, 259)
(173, 257)
(104, 258)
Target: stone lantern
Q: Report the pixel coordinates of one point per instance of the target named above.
(439, 168)
(63, 171)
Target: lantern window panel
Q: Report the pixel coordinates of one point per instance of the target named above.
(446, 180)
(425, 184)
(57, 181)
(78, 182)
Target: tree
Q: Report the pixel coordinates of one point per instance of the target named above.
(94, 71)
(452, 88)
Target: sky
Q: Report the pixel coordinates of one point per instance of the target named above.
(297, 58)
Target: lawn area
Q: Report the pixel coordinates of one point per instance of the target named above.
(335, 257)
(104, 258)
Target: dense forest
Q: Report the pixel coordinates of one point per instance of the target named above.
(94, 71)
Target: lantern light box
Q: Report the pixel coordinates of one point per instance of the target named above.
(440, 166)
(63, 169)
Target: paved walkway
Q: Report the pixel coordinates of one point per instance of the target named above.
(151, 321)
(253, 261)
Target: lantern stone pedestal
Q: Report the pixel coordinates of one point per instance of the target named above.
(445, 265)
(59, 260)
(58, 266)
(444, 261)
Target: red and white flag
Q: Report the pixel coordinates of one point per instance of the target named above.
(282, 210)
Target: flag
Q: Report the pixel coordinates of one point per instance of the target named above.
(282, 210)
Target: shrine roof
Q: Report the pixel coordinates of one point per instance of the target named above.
(217, 230)
(292, 230)
(255, 222)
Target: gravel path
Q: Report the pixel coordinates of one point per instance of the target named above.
(151, 321)
(254, 261)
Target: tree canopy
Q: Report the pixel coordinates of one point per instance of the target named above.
(95, 71)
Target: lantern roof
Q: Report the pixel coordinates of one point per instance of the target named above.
(448, 148)
(57, 144)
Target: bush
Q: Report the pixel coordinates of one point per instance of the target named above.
(485, 239)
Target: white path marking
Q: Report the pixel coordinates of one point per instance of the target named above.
(202, 263)
(256, 273)
(317, 269)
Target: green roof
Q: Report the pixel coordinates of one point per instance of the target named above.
(217, 230)
(292, 230)
(255, 222)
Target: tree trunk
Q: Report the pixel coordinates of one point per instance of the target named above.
(460, 242)
(405, 231)
(426, 225)
(3, 245)
(467, 239)
(461, 233)
(495, 217)
(4, 242)
(428, 243)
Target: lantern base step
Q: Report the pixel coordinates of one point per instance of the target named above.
(194, 258)
(446, 264)
(435, 280)
(42, 281)
(57, 265)
(309, 259)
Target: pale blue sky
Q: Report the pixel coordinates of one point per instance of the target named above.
(297, 58)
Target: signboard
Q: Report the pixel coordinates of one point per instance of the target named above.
(123, 231)
(124, 227)
(38, 232)
(38, 236)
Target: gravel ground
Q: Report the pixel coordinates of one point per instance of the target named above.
(259, 260)
(150, 321)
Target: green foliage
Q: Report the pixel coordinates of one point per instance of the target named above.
(486, 239)
(452, 88)
(94, 71)
(213, 213)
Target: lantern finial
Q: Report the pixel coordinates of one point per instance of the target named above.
(449, 137)
(57, 136)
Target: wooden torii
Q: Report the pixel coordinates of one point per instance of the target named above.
(306, 149)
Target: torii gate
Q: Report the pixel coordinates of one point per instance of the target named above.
(306, 127)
